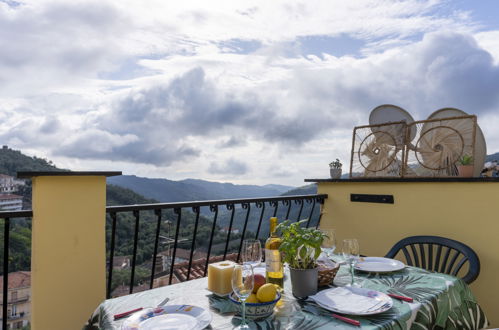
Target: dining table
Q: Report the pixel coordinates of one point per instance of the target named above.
(439, 301)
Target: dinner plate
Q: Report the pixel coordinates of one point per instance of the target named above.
(170, 317)
(379, 265)
(353, 301)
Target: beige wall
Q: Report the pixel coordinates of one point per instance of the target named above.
(464, 211)
(68, 250)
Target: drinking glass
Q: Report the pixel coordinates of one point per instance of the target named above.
(350, 250)
(252, 252)
(242, 284)
(329, 242)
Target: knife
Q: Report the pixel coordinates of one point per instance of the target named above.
(124, 314)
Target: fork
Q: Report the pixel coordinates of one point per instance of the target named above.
(377, 306)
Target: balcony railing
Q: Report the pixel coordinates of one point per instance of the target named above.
(7, 216)
(227, 212)
(287, 207)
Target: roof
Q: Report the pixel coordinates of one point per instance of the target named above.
(185, 254)
(10, 196)
(17, 280)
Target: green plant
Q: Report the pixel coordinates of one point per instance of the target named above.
(466, 160)
(336, 164)
(300, 246)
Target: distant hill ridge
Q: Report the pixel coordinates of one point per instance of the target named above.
(165, 190)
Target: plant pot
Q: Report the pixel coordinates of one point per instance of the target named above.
(465, 171)
(304, 281)
(335, 173)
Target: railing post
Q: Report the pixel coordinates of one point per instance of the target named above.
(68, 263)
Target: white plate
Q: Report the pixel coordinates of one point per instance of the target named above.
(379, 265)
(170, 317)
(353, 301)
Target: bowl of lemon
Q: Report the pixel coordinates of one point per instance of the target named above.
(260, 304)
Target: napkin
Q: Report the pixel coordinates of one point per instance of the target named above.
(345, 300)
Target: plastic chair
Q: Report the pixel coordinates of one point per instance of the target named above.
(446, 249)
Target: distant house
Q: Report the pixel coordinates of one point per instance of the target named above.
(18, 300)
(121, 262)
(226, 230)
(9, 184)
(11, 202)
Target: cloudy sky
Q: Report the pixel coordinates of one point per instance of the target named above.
(238, 91)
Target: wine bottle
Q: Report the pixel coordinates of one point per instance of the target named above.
(274, 269)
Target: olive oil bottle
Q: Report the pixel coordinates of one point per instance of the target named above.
(274, 269)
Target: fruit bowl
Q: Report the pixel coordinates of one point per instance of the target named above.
(256, 310)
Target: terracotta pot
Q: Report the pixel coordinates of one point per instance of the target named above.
(335, 173)
(304, 281)
(465, 171)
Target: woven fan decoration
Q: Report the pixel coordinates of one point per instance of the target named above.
(378, 150)
(438, 146)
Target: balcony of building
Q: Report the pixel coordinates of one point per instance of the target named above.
(166, 243)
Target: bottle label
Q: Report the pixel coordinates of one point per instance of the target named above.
(272, 260)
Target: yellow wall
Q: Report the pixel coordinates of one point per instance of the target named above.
(68, 250)
(464, 211)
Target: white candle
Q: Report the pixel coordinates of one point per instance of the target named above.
(220, 277)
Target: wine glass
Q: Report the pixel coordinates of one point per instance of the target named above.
(350, 250)
(252, 252)
(329, 242)
(242, 284)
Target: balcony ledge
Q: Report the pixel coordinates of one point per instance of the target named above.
(446, 179)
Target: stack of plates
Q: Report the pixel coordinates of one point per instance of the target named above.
(353, 301)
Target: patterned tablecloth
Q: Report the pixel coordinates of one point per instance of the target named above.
(440, 301)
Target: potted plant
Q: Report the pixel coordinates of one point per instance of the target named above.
(300, 248)
(465, 169)
(335, 169)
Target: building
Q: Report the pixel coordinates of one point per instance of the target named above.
(11, 202)
(9, 184)
(19, 299)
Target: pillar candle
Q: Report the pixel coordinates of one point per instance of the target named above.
(220, 277)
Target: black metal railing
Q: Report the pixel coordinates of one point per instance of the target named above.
(7, 216)
(292, 207)
(241, 213)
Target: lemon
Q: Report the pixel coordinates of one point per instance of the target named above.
(266, 293)
(252, 299)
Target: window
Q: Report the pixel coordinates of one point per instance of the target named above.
(14, 295)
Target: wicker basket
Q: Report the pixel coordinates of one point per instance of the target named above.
(327, 273)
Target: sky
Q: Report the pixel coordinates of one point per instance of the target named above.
(249, 92)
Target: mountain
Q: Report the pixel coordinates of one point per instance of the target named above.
(13, 161)
(304, 190)
(492, 157)
(165, 190)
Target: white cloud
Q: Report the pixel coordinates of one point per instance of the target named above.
(194, 88)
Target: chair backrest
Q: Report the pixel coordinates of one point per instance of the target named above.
(439, 254)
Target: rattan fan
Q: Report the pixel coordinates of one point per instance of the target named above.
(439, 144)
(378, 150)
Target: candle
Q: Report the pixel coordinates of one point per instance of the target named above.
(220, 277)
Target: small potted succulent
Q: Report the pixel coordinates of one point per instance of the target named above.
(335, 169)
(300, 248)
(465, 167)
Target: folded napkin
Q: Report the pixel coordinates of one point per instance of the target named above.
(345, 299)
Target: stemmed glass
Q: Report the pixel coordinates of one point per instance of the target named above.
(329, 242)
(252, 252)
(242, 284)
(350, 250)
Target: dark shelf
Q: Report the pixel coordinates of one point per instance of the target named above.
(456, 179)
(30, 174)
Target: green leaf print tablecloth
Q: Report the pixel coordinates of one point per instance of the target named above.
(440, 302)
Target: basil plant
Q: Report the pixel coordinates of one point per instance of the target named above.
(300, 247)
